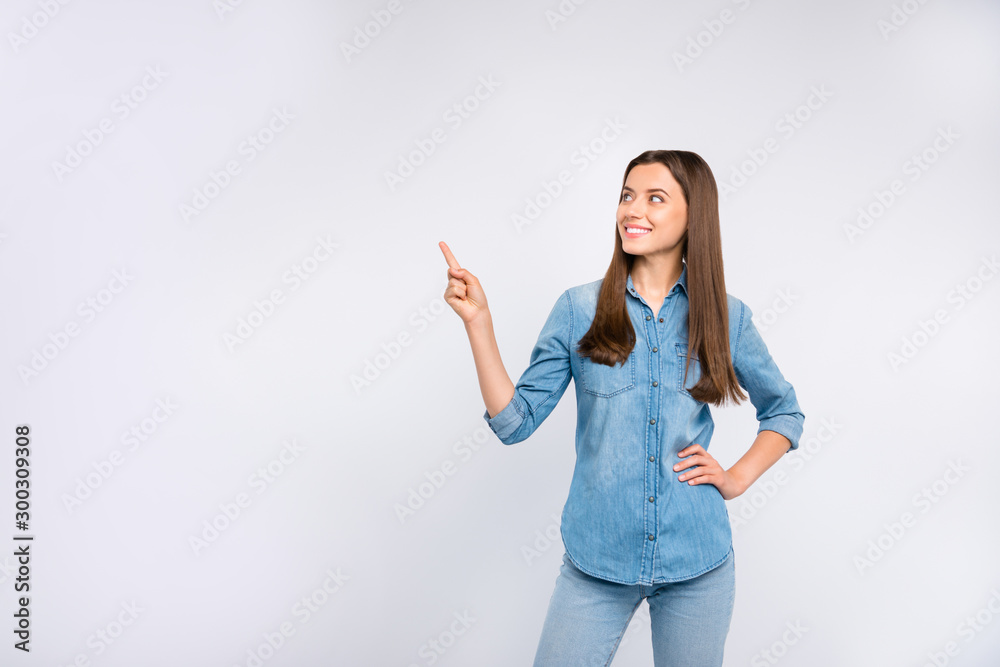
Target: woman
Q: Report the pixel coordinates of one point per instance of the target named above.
(649, 347)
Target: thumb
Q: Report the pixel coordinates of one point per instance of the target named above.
(469, 278)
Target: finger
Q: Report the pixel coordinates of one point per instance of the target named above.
(707, 477)
(691, 449)
(463, 275)
(686, 463)
(449, 257)
(694, 459)
(700, 472)
(690, 467)
(705, 465)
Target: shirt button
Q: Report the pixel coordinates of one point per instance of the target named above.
(652, 458)
(652, 421)
(654, 349)
(654, 383)
(651, 538)
(661, 319)
(648, 317)
(651, 499)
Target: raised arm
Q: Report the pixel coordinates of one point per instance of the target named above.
(466, 297)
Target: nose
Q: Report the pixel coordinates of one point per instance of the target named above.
(634, 209)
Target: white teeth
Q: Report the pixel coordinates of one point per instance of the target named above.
(636, 230)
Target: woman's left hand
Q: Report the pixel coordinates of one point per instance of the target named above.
(708, 471)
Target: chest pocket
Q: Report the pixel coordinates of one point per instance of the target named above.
(607, 381)
(693, 372)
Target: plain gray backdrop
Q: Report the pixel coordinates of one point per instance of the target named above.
(257, 433)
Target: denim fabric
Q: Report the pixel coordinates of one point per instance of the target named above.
(627, 518)
(587, 618)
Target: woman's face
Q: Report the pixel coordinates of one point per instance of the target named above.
(651, 200)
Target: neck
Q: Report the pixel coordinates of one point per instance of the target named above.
(656, 274)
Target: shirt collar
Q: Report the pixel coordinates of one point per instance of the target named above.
(682, 281)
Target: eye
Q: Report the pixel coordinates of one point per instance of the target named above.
(625, 195)
(659, 197)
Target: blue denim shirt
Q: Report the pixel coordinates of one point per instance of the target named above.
(627, 518)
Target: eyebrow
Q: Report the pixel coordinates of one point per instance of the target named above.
(650, 190)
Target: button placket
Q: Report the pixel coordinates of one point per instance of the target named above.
(652, 474)
(655, 332)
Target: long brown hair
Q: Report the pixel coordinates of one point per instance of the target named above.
(611, 337)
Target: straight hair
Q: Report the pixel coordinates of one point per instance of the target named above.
(611, 337)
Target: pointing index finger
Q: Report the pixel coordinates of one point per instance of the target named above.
(450, 258)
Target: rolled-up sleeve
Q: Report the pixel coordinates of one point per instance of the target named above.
(543, 383)
(774, 397)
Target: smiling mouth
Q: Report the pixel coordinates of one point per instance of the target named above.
(636, 231)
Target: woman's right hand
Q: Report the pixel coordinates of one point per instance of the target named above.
(464, 294)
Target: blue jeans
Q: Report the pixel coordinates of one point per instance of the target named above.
(588, 616)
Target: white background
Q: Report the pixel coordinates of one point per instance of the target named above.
(832, 304)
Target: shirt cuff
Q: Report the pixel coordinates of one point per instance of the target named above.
(788, 426)
(507, 420)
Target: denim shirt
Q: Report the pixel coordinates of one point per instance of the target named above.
(627, 518)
